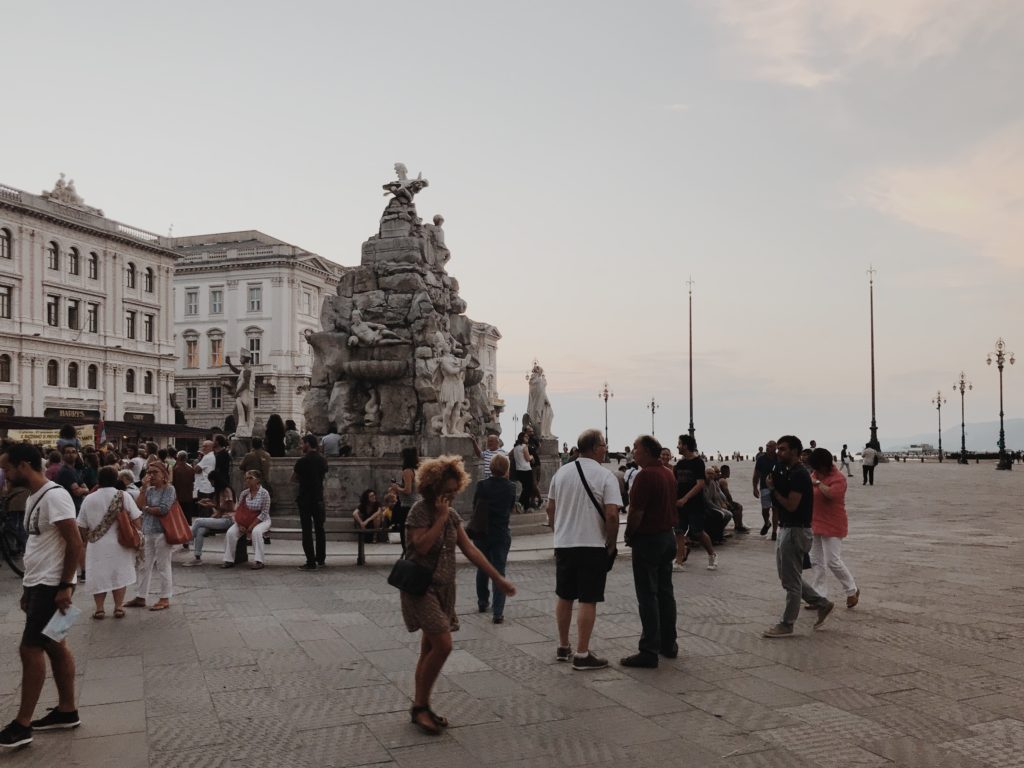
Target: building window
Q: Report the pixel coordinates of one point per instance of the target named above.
(73, 375)
(53, 255)
(215, 398)
(5, 243)
(5, 367)
(148, 280)
(129, 324)
(147, 327)
(216, 301)
(192, 301)
(255, 298)
(255, 345)
(147, 383)
(130, 275)
(92, 377)
(73, 305)
(6, 294)
(52, 373)
(307, 300)
(191, 353)
(53, 311)
(92, 318)
(191, 397)
(216, 352)
(129, 381)
(74, 262)
(94, 266)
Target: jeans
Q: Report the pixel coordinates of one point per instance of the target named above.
(157, 556)
(202, 526)
(792, 545)
(652, 577)
(495, 547)
(311, 516)
(869, 475)
(231, 539)
(827, 555)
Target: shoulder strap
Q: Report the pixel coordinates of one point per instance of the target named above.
(31, 527)
(590, 493)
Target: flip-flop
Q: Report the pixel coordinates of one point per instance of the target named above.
(99, 615)
(160, 607)
(119, 613)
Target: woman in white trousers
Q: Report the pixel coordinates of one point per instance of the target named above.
(829, 526)
(252, 518)
(156, 499)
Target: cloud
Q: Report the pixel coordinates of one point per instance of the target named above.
(809, 43)
(978, 197)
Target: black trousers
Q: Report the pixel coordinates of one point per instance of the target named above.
(652, 576)
(526, 478)
(869, 475)
(311, 517)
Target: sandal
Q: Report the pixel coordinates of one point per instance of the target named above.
(439, 719)
(99, 615)
(161, 605)
(433, 729)
(138, 602)
(119, 613)
(256, 566)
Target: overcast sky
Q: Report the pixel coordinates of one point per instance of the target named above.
(588, 157)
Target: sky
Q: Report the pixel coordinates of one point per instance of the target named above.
(589, 158)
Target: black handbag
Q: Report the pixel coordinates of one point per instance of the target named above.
(411, 577)
(614, 553)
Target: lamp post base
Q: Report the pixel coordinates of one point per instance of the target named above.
(1005, 462)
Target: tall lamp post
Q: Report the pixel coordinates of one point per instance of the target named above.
(962, 386)
(1001, 359)
(938, 401)
(605, 394)
(871, 292)
(689, 283)
(652, 407)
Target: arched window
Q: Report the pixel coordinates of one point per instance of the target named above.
(94, 266)
(131, 275)
(92, 377)
(53, 255)
(52, 374)
(73, 375)
(74, 262)
(129, 381)
(5, 367)
(149, 280)
(6, 241)
(147, 383)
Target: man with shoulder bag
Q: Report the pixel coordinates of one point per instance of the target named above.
(583, 511)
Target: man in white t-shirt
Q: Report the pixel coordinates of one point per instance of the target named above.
(585, 533)
(204, 469)
(135, 462)
(53, 553)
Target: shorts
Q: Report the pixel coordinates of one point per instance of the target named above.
(766, 498)
(40, 606)
(695, 522)
(581, 573)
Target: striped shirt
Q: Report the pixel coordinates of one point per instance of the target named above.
(485, 459)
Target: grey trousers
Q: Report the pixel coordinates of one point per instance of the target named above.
(792, 545)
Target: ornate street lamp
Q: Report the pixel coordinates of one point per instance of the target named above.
(689, 284)
(938, 401)
(871, 291)
(962, 386)
(652, 407)
(1001, 359)
(605, 393)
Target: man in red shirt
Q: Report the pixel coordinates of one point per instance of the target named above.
(649, 532)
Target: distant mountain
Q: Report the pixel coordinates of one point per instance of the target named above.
(981, 436)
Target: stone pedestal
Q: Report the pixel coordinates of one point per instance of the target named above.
(240, 446)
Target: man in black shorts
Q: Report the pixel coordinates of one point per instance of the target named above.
(690, 472)
(52, 556)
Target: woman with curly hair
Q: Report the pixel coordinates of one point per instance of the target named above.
(434, 530)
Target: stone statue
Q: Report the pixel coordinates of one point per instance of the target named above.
(367, 334)
(65, 193)
(244, 416)
(405, 188)
(371, 413)
(436, 234)
(538, 406)
(452, 394)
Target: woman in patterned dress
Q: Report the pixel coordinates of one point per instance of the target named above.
(434, 530)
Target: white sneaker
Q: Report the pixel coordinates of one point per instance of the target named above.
(678, 567)
(713, 562)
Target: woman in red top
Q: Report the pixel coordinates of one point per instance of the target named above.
(829, 527)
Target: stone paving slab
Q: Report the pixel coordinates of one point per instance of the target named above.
(279, 667)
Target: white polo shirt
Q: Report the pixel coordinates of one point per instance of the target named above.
(577, 521)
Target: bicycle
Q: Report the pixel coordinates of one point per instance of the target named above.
(12, 547)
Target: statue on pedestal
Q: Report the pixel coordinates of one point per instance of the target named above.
(452, 394)
(244, 415)
(369, 334)
(538, 406)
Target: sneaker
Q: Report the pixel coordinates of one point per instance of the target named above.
(56, 720)
(640, 661)
(852, 600)
(227, 564)
(192, 563)
(498, 620)
(564, 653)
(590, 661)
(678, 566)
(743, 529)
(308, 567)
(823, 613)
(713, 562)
(482, 608)
(764, 529)
(779, 630)
(15, 735)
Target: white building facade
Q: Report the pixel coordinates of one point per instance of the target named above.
(86, 330)
(245, 290)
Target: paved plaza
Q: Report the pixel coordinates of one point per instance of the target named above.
(286, 668)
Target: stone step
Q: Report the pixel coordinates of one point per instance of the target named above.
(341, 529)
